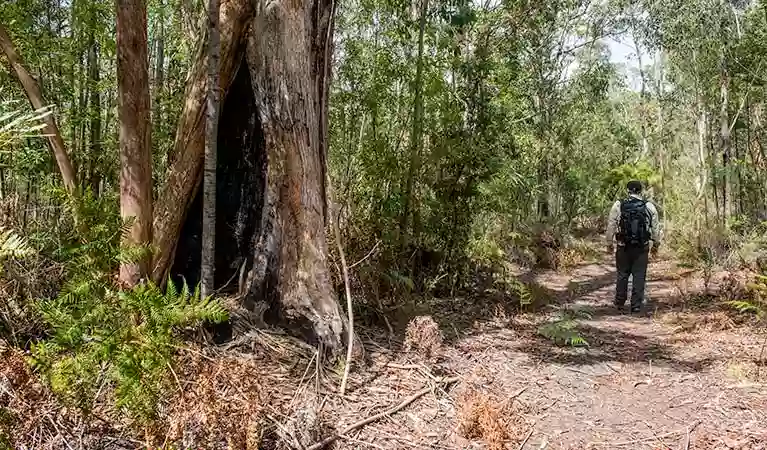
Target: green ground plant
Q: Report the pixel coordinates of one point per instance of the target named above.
(97, 334)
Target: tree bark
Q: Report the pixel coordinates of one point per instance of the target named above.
(190, 21)
(185, 168)
(135, 131)
(211, 132)
(159, 70)
(271, 164)
(288, 56)
(37, 100)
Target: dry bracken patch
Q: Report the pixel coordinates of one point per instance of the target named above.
(219, 403)
(424, 336)
(482, 417)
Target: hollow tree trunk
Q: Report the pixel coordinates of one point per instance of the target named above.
(185, 168)
(288, 56)
(271, 165)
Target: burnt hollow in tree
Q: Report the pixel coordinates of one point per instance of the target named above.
(241, 175)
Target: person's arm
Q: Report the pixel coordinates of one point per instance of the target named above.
(612, 223)
(655, 232)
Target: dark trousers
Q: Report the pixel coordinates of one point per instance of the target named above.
(631, 261)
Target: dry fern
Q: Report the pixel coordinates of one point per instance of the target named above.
(481, 417)
(424, 336)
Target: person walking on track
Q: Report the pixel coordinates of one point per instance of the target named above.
(633, 226)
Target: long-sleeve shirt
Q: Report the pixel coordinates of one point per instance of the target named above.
(614, 218)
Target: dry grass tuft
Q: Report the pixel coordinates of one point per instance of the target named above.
(423, 335)
(687, 322)
(481, 417)
(735, 286)
(305, 426)
(744, 371)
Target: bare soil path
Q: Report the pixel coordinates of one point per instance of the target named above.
(681, 375)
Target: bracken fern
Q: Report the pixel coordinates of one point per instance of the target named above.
(100, 334)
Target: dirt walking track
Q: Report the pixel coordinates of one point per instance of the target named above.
(681, 375)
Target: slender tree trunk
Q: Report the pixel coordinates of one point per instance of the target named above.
(724, 138)
(755, 186)
(188, 149)
(643, 100)
(739, 205)
(26, 204)
(712, 162)
(703, 166)
(94, 177)
(159, 70)
(35, 96)
(2, 181)
(416, 139)
(661, 137)
(211, 134)
(135, 149)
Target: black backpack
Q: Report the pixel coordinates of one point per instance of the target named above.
(634, 225)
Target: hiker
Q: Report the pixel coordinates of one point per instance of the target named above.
(633, 225)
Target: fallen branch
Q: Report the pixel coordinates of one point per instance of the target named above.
(378, 416)
(347, 290)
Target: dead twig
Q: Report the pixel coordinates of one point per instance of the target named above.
(378, 416)
(366, 256)
(522, 445)
(403, 366)
(422, 369)
(513, 396)
(760, 360)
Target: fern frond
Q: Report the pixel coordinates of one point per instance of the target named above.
(171, 290)
(743, 306)
(523, 292)
(133, 254)
(577, 341)
(14, 246)
(563, 332)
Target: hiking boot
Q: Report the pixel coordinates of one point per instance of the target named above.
(619, 306)
(636, 309)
